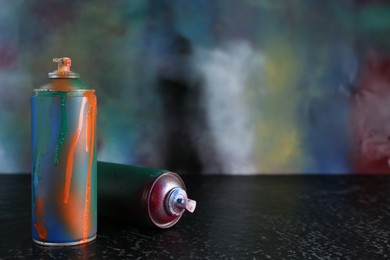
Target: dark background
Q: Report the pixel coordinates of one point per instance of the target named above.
(235, 87)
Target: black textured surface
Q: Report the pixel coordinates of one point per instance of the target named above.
(262, 217)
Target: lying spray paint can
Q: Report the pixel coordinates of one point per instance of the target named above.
(64, 196)
(141, 195)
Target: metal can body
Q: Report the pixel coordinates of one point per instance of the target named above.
(141, 195)
(64, 180)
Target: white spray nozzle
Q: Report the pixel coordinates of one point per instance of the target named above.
(190, 205)
(178, 202)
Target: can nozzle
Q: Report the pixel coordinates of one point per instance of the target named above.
(63, 64)
(63, 70)
(178, 202)
(190, 205)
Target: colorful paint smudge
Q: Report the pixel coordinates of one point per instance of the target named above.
(69, 165)
(65, 193)
(208, 86)
(64, 127)
(371, 116)
(89, 148)
(39, 224)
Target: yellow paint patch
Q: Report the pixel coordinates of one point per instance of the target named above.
(278, 135)
(280, 150)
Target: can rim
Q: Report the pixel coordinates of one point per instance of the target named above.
(64, 75)
(177, 218)
(78, 242)
(55, 90)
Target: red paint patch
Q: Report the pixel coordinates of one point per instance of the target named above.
(7, 56)
(371, 116)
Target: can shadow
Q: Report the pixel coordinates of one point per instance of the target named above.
(84, 251)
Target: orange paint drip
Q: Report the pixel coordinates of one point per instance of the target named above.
(88, 131)
(90, 139)
(72, 213)
(39, 225)
(69, 164)
(61, 85)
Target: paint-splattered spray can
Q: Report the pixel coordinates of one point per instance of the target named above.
(64, 196)
(141, 195)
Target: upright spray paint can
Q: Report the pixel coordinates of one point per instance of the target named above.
(64, 196)
(141, 195)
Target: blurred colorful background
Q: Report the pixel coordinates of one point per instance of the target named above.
(210, 86)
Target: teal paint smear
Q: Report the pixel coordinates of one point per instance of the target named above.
(36, 152)
(63, 128)
(43, 134)
(375, 18)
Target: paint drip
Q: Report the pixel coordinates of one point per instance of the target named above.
(64, 159)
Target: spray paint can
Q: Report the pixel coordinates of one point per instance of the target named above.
(141, 195)
(64, 196)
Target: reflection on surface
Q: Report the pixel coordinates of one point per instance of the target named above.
(84, 251)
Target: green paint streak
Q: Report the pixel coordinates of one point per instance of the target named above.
(63, 128)
(43, 135)
(36, 154)
(64, 123)
(375, 18)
